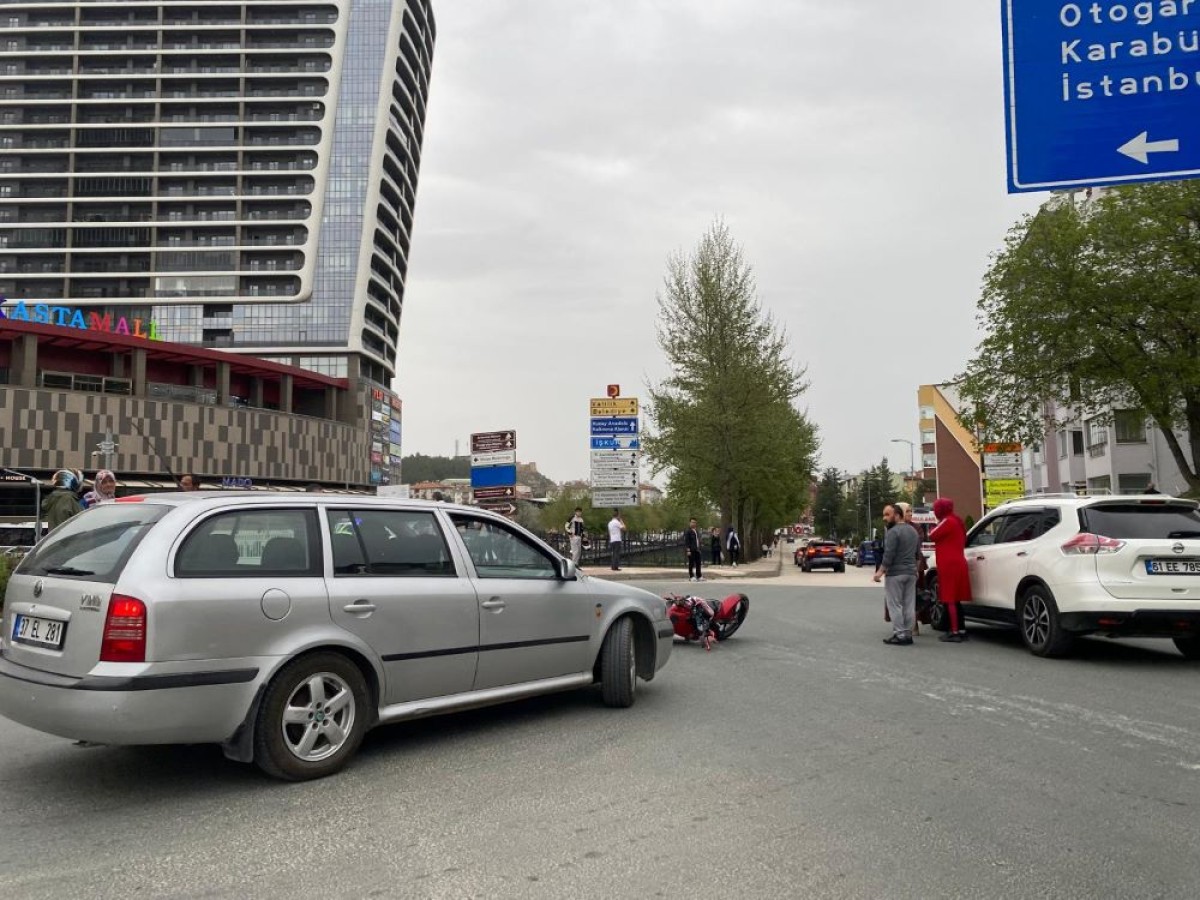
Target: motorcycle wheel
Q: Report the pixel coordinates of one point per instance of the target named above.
(726, 629)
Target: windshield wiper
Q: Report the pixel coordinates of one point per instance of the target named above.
(68, 570)
(1184, 534)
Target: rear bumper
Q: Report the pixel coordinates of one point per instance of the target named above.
(155, 708)
(1164, 623)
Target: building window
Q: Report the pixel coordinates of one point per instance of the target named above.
(1064, 444)
(1077, 443)
(928, 437)
(1133, 484)
(1101, 485)
(929, 460)
(1130, 426)
(927, 412)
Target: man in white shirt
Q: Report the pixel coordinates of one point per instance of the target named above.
(616, 534)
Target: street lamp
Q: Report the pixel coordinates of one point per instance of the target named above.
(912, 459)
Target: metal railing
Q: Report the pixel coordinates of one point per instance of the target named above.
(646, 549)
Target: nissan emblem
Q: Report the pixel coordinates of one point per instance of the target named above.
(1178, 548)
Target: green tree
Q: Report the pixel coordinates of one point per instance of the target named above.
(829, 503)
(1091, 305)
(726, 428)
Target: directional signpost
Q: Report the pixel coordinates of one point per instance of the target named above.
(1003, 473)
(494, 470)
(1100, 92)
(615, 450)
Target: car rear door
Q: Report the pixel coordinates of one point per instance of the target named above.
(981, 545)
(1158, 557)
(1008, 557)
(396, 584)
(532, 624)
(58, 598)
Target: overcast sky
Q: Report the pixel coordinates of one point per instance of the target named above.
(855, 149)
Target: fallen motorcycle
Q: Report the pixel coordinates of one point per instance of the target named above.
(698, 619)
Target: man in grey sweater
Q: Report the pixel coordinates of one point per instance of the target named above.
(899, 566)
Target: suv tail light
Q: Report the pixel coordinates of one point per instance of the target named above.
(124, 630)
(1086, 544)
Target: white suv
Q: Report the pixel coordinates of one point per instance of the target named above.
(1060, 566)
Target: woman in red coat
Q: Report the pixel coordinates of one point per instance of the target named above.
(953, 581)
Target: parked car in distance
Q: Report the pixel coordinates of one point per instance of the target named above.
(821, 554)
(851, 556)
(283, 626)
(1061, 566)
(868, 554)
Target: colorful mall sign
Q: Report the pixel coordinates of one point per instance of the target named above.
(73, 317)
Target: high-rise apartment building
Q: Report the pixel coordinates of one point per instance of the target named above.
(243, 174)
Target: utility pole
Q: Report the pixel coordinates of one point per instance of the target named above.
(106, 448)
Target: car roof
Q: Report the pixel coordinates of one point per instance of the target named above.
(1075, 500)
(217, 499)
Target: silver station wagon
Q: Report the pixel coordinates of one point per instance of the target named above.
(283, 626)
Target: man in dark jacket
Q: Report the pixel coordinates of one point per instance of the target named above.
(63, 501)
(692, 545)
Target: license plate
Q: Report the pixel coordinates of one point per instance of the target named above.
(39, 632)
(1173, 567)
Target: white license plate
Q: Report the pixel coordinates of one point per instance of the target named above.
(1173, 567)
(39, 632)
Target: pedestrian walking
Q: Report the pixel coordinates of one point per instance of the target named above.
(949, 537)
(733, 544)
(692, 548)
(104, 489)
(63, 502)
(899, 567)
(715, 545)
(616, 535)
(575, 528)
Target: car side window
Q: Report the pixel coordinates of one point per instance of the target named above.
(498, 552)
(1020, 527)
(388, 542)
(252, 543)
(985, 533)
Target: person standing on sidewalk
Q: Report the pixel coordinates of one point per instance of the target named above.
(949, 538)
(692, 547)
(715, 545)
(899, 567)
(733, 544)
(575, 529)
(616, 534)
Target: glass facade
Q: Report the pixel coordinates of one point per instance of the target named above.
(174, 156)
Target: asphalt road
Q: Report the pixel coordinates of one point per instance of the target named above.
(803, 758)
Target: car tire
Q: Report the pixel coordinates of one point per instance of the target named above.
(841, 568)
(618, 666)
(317, 738)
(1188, 646)
(1041, 627)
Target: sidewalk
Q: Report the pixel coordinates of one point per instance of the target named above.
(767, 567)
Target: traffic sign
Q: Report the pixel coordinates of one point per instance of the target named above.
(503, 507)
(1002, 459)
(997, 490)
(1003, 472)
(625, 478)
(610, 458)
(616, 442)
(487, 441)
(493, 476)
(615, 497)
(1100, 93)
(494, 458)
(494, 493)
(1001, 448)
(614, 406)
(612, 426)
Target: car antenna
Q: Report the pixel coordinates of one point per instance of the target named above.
(154, 448)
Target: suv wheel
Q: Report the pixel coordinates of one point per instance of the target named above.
(312, 719)
(1189, 646)
(618, 665)
(1041, 628)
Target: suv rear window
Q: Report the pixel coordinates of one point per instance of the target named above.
(94, 545)
(1135, 521)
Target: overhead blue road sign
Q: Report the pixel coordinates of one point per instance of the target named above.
(1101, 92)
(493, 476)
(611, 425)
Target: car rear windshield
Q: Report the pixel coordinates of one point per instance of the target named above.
(1136, 521)
(94, 545)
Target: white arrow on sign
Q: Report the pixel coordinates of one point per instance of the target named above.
(1140, 148)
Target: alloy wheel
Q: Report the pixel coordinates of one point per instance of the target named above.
(1035, 620)
(318, 717)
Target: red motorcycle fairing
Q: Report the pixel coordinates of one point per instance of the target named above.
(727, 606)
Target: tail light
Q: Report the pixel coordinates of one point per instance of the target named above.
(812, 551)
(124, 630)
(1090, 545)
(841, 551)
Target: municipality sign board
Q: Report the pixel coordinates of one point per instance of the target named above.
(1101, 92)
(614, 406)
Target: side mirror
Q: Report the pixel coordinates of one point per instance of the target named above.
(567, 570)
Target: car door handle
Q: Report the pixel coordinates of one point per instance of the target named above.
(980, 559)
(359, 608)
(1023, 553)
(493, 603)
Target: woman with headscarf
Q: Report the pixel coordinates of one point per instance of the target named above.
(949, 537)
(105, 488)
(63, 501)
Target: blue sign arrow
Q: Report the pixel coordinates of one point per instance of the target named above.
(1101, 92)
(616, 443)
(614, 425)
